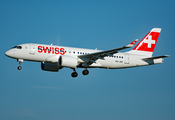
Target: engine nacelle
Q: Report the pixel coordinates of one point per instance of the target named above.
(68, 61)
(50, 67)
(52, 59)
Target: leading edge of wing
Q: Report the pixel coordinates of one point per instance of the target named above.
(108, 52)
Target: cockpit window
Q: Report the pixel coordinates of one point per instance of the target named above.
(18, 47)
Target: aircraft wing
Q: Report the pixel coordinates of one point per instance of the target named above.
(92, 57)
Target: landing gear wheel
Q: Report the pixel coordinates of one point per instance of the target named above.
(19, 68)
(20, 61)
(74, 74)
(85, 72)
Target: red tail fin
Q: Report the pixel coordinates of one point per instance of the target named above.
(147, 44)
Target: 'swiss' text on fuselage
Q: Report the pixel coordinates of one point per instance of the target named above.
(51, 50)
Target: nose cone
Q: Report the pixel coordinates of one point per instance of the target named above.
(9, 53)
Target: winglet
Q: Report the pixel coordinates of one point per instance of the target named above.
(132, 43)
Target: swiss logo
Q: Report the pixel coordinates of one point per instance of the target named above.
(51, 50)
(149, 41)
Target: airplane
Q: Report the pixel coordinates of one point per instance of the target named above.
(53, 58)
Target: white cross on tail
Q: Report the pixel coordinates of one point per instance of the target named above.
(149, 41)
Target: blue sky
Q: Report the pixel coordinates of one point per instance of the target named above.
(127, 94)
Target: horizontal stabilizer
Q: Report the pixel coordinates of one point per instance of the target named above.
(151, 58)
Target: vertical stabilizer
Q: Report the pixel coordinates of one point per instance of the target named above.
(147, 44)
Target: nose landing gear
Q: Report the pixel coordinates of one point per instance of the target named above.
(20, 61)
(19, 67)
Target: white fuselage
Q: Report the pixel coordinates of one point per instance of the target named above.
(43, 53)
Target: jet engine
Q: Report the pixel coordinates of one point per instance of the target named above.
(68, 61)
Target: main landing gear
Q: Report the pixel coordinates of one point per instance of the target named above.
(85, 72)
(75, 74)
(20, 61)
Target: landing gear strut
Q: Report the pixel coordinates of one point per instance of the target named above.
(20, 61)
(74, 74)
(85, 72)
